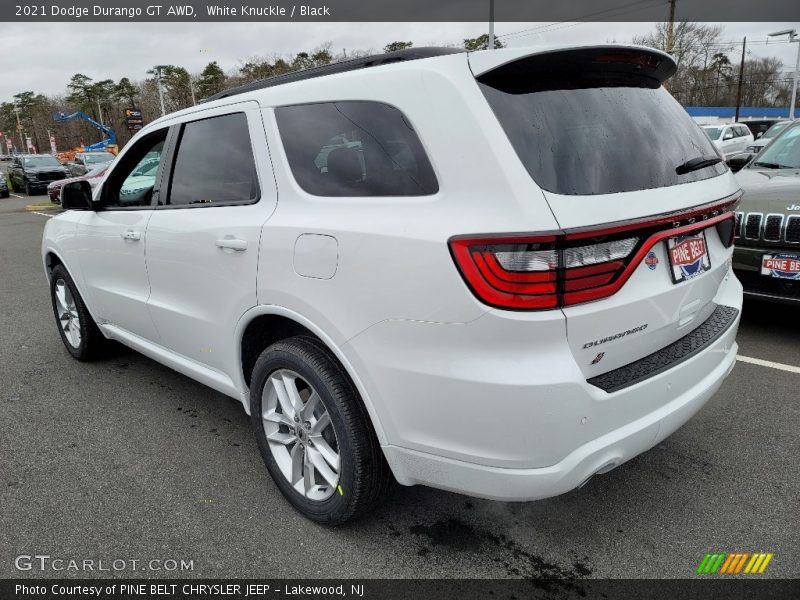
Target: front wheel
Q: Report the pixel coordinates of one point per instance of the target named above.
(78, 330)
(314, 433)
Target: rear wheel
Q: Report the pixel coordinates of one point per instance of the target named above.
(78, 330)
(314, 434)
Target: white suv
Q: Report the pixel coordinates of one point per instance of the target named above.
(496, 273)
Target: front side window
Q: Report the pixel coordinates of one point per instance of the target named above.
(215, 163)
(99, 157)
(132, 182)
(354, 148)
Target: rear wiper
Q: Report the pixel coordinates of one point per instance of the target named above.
(693, 164)
(768, 165)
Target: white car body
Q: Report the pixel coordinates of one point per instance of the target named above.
(462, 396)
(730, 139)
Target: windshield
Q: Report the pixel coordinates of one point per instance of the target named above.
(41, 161)
(713, 132)
(100, 157)
(783, 152)
(774, 130)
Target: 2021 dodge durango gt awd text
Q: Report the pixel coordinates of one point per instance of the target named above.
(497, 273)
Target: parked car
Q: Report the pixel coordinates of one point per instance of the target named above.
(85, 161)
(766, 137)
(473, 288)
(729, 139)
(759, 126)
(4, 192)
(93, 177)
(767, 256)
(32, 173)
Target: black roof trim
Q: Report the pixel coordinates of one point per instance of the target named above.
(353, 64)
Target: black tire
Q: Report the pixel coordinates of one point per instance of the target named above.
(92, 341)
(365, 479)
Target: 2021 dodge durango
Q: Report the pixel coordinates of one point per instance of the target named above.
(497, 273)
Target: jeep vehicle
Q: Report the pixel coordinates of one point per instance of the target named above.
(498, 273)
(31, 173)
(767, 255)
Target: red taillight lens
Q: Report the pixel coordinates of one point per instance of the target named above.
(537, 272)
(571, 267)
(515, 273)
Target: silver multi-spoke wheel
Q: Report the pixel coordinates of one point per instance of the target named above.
(300, 435)
(68, 315)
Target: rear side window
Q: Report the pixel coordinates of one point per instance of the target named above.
(596, 122)
(354, 148)
(215, 163)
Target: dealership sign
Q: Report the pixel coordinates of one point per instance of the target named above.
(133, 119)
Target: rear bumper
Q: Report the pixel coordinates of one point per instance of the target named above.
(498, 408)
(595, 457)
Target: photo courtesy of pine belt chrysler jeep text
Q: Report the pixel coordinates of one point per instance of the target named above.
(497, 273)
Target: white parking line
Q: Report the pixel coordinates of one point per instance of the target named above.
(33, 212)
(17, 196)
(768, 363)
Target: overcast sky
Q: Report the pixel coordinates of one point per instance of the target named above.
(43, 56)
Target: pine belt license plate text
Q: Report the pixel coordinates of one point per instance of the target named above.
(782, 266)
(688, 256)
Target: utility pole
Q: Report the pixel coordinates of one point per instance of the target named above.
(741, 77)
(491, 24)
(191, 87)
(670, 32)
(671, 26)
(793, 38)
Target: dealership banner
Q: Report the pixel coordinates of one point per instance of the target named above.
(396, 589)
(405, 10)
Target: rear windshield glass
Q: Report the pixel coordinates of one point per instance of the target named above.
(581, 125)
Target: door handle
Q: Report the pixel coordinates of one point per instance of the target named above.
(232, 243)
(130, 234)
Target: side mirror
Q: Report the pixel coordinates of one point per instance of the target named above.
(738, 161)
(77, 196)
(760, 133)
(728, 136)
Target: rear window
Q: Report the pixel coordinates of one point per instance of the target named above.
(354, 148)
(586, 123)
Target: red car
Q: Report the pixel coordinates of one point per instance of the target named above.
(93, 177)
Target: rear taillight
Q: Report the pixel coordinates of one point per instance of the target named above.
(537, 272)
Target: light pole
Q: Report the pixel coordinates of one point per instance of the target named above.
(793, 38)
(491, 24)
(157, 71)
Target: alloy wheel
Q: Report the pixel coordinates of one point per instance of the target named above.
(300, 435)
(68, 315)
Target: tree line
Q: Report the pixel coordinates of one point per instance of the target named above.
(707, 75)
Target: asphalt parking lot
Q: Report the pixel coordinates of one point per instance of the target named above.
(125, 459)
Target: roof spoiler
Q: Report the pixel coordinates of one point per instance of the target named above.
(560, 63)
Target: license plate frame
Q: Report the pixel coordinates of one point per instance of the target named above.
(781, 265)
(688, 256)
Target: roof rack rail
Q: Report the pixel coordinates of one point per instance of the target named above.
(353, 64)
